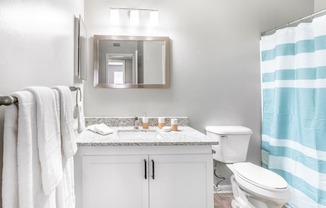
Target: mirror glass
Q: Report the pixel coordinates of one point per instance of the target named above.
(131, 61)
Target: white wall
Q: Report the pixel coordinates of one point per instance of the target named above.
(36, 45)
(320, 5)
(215, 76)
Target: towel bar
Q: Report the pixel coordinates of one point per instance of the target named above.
(8, 100)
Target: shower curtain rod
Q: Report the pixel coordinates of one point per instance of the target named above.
(8, 100)
(268, 32)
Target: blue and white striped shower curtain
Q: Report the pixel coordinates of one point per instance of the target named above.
(293, 66)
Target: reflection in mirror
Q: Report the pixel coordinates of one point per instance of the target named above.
(131, 62)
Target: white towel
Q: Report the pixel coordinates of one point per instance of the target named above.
(102, 129)
(65, 193)
(30, 192)
(80, 117)
(66, 122)
(79, 112)
(48, 138)
(10, 174)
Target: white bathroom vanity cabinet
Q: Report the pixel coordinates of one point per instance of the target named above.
(151, 174)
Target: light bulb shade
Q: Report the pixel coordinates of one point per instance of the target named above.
(115, 16)
(134, 17)
(153, 18)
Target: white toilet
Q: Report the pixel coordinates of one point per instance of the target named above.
(252, 185)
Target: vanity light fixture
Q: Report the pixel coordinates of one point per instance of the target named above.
(115, 16)
(134, 15)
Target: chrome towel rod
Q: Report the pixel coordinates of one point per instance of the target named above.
(8, 100)
(271, 31)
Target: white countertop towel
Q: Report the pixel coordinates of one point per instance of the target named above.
(48, 137)
(10, 171)
(101, 128)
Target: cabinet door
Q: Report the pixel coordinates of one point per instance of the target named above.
(115, 181)
(181, 181)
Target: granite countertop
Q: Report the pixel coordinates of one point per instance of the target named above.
(184, 136)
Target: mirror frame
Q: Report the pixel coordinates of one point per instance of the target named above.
(96, 40)
(80, 49)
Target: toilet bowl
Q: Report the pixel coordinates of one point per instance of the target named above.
(261, 188)
(252, 185)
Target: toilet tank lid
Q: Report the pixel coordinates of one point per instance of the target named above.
(224, 130)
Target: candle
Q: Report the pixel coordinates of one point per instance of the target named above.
(161, 122)
(145, 122)
(174, 124)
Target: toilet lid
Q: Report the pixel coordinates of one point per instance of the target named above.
(226, 130)
(259, 176)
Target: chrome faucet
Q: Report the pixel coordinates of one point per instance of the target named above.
(136, 123)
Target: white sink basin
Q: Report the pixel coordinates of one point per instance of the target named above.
(138, 134)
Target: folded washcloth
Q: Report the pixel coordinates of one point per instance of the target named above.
(102, 129)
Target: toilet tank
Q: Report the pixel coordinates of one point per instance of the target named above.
(233, 142)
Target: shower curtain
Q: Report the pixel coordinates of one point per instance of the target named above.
(293, 67)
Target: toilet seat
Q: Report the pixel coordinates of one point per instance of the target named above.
(259, 176)
(260, 181)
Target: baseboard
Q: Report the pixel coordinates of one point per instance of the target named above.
(223, 189)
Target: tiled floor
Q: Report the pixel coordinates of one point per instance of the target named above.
(222, 200)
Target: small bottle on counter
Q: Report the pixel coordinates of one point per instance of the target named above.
(174, 124)
(145, 122)
(161, 122)
(136, 123)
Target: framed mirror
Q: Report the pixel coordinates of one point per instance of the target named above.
(131, 62)
(80, 49)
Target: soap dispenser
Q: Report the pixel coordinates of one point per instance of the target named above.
(136, 124)
(145, 122)
(161, 122)
(174, 124)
